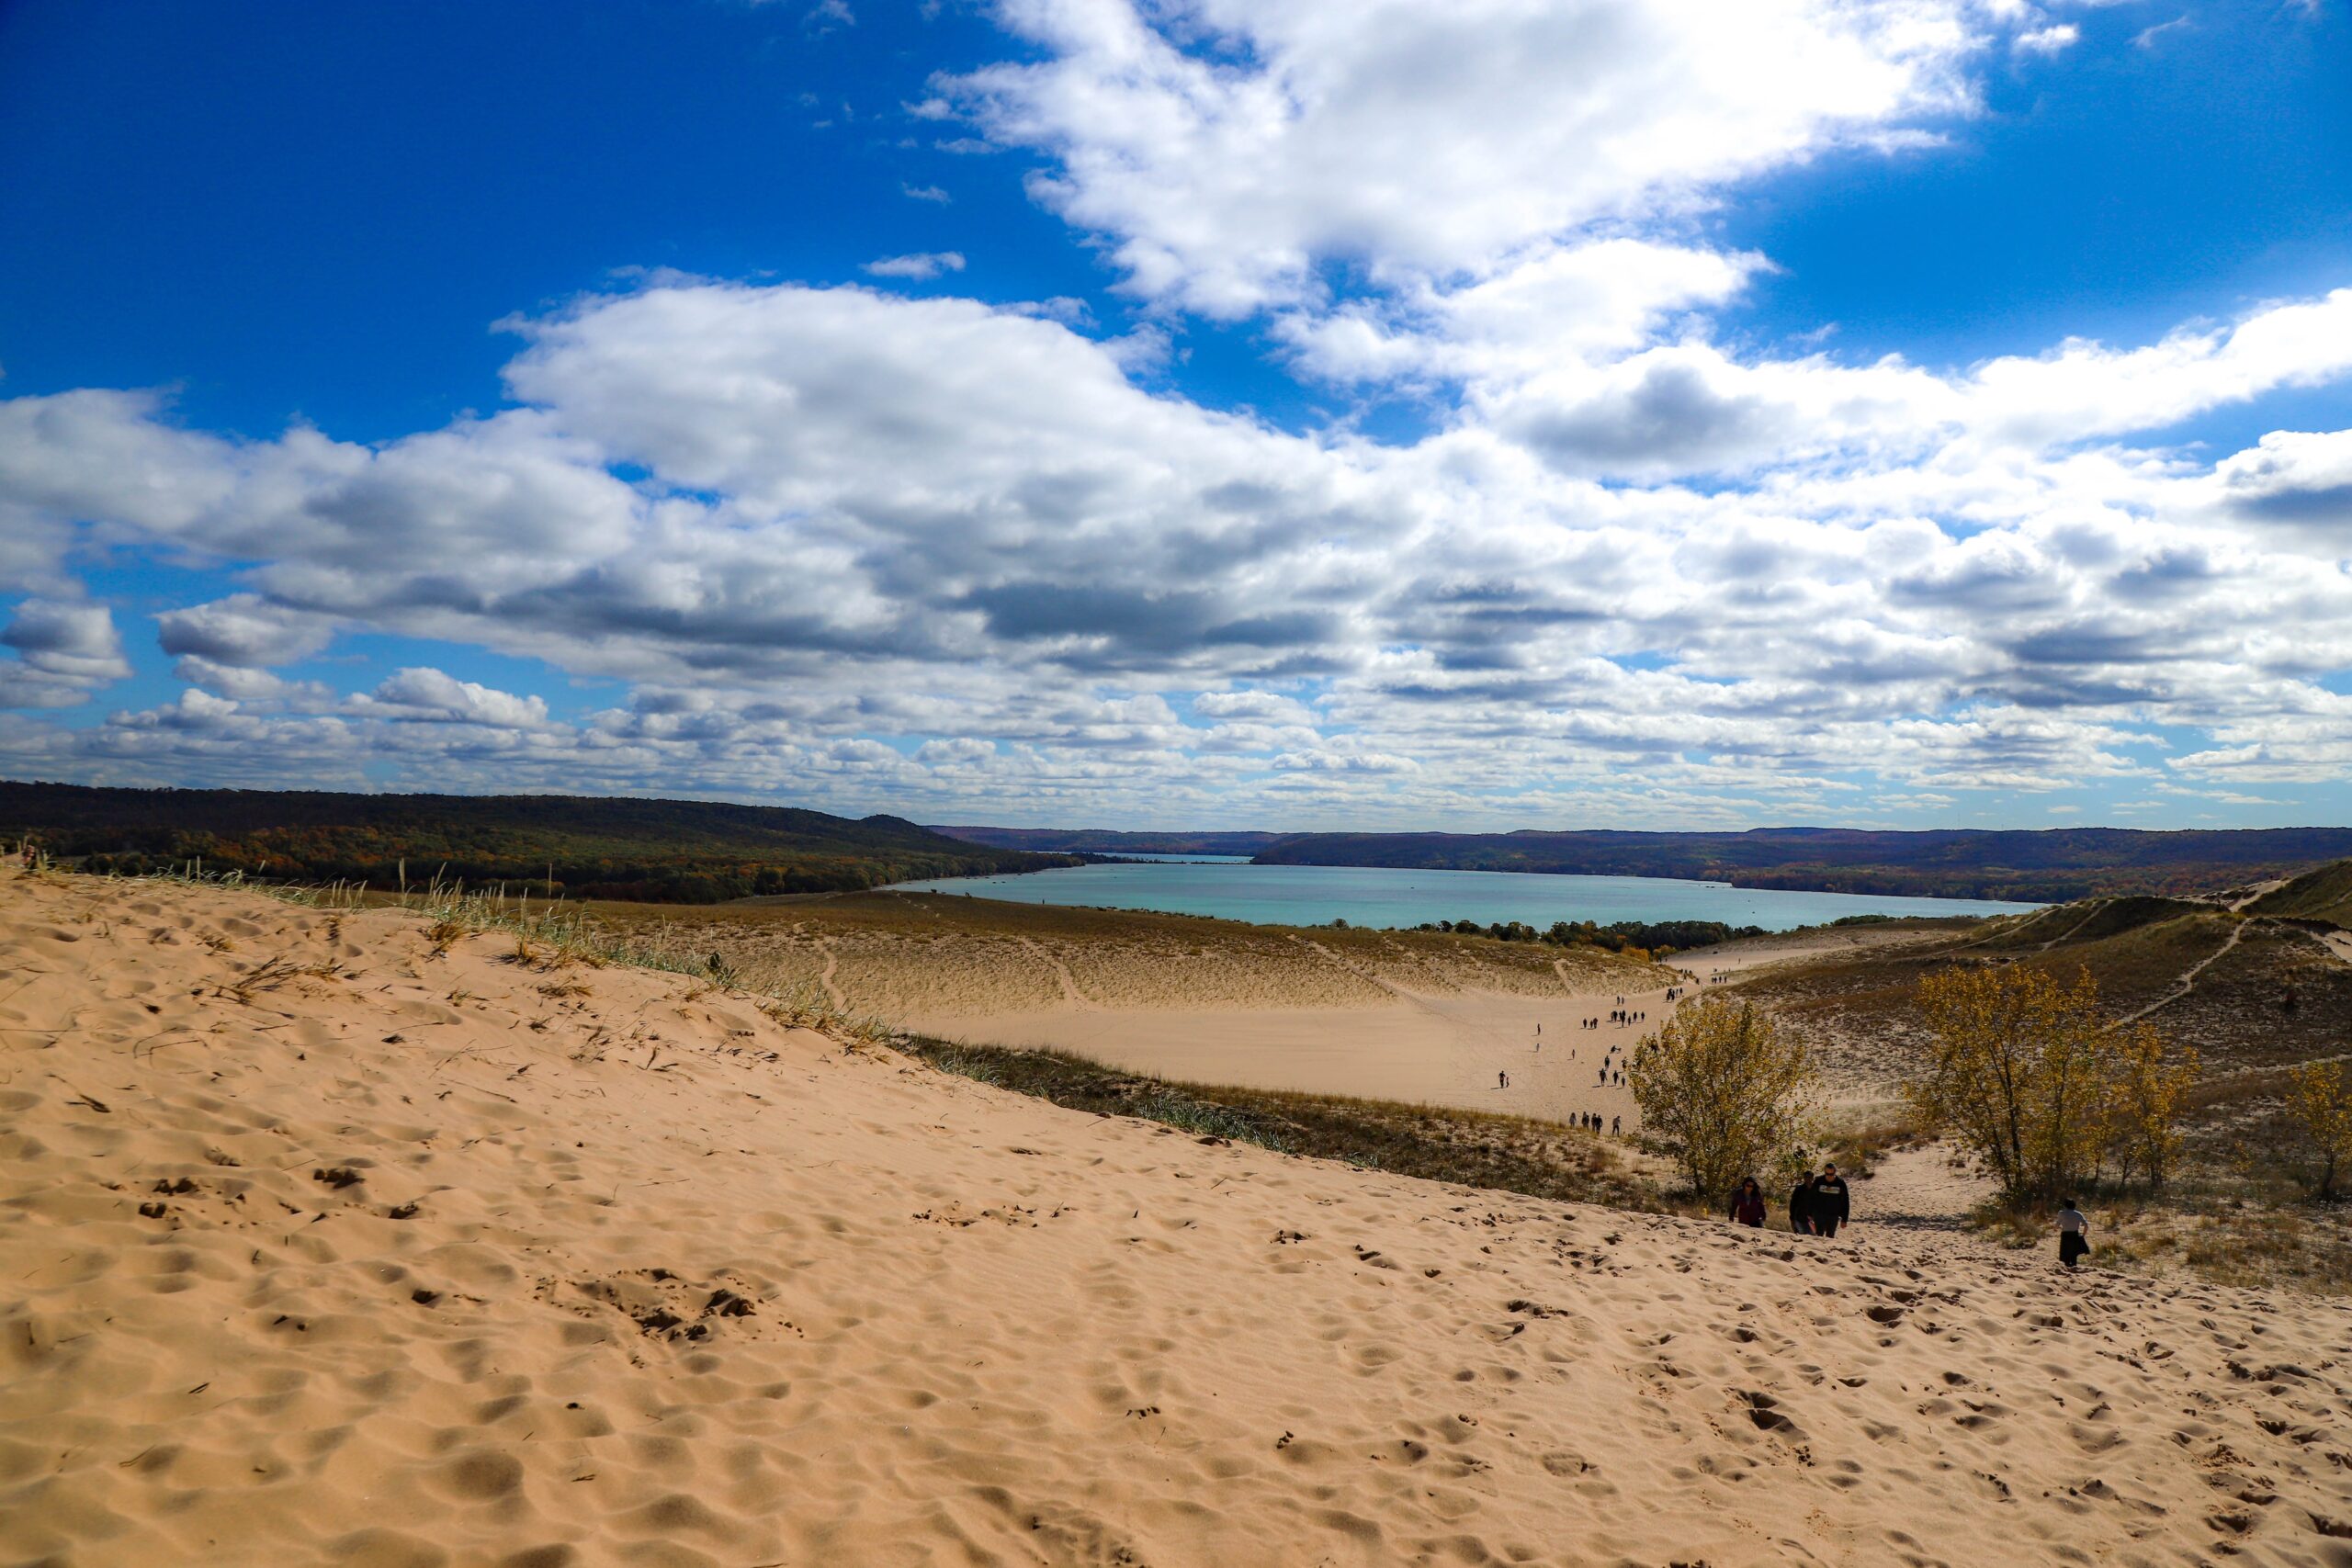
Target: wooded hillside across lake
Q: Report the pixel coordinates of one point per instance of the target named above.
(686, 852)
(2047, 866)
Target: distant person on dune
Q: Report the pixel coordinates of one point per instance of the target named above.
(1801, 1205)
(2073, 1234)
(1748, 1205)
(1830, 1205)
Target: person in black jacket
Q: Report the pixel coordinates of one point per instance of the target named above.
(1801, 1205)
(1830, 1208)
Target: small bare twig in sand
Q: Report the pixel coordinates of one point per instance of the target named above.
(272, 972)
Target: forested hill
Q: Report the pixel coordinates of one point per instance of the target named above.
(671, 850)
(1111, 842)
(2037, 866)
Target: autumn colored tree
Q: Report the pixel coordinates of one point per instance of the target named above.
(2319, 1102)
(2016, 1071)
(1720, 1091)
(2148, 1083)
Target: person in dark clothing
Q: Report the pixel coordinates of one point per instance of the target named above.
(1801, 1205)
(1748, 1205)
(1830, 1208)
(2073, 1234)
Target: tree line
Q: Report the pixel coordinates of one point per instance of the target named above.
(1637, 939)
(583, 847)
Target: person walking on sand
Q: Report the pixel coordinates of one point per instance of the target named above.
(1748, 1205)
(1801, 1205)
(2073, 1234)
(1830, 1205)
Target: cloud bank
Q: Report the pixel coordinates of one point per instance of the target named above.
(939, 554)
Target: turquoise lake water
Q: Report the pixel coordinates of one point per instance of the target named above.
(1373, 896)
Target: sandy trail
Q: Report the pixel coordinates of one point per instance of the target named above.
(825, 976)
(1920, 1189)
(383, 1259)
(1073, 996)
(2257, 890)
(2187, 981)
(1714, 965)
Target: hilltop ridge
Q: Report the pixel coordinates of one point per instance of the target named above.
(582, 846)
(2038, 865)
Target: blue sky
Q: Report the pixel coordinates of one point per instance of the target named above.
(1284, 415)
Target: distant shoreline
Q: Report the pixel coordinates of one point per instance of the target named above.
(2035, 866)
(1394, 898)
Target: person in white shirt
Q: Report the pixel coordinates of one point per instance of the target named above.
(2073, 1234)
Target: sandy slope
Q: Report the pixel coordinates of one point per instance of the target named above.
(1436, 1049)
(1738, 959)
(445, 1261)
(1392, 1015)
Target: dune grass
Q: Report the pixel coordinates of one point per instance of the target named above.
(551, 935)
(2259, 1234)
(1468, 1148)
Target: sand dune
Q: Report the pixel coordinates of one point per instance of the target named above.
(1435, 1050)
(316, 1248)
(1413, 1016)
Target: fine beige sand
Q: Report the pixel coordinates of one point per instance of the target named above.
(1435, 1049)
(1417, 1017)
(316, 1248)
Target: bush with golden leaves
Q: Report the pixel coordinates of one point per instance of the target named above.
(2319, 1102)
(2022, 1072)
(2149, 1079)
(1723, 1093)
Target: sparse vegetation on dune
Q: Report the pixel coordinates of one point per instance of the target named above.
(2233, 1230)
(2237, 1116)
(930, 954)
(2322, 896)
(1509, 1153)
(2249, 991)
(1858, 1140)
(551, 935)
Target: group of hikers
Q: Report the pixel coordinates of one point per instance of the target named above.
(1591, 1121)
(1622, 1014)
(1818, 1203)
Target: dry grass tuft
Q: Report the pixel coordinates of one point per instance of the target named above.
(1468, 1148)
(272, 972)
